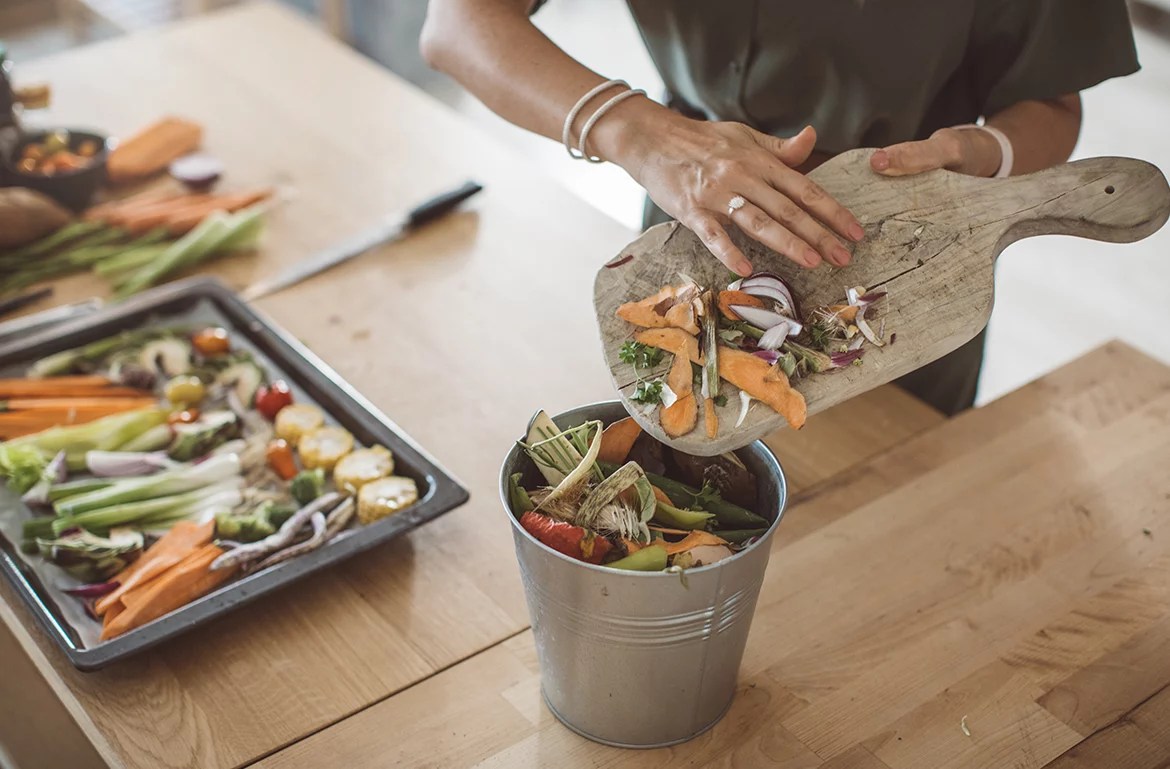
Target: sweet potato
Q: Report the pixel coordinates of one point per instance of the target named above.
(27, 215)
(672, 340)
(728, 298)
(152, 149)
(187, 580)
(680, 417)
(682, 315)
(184, 538)
(747, 372)
(670, 307)
(617, 440)
(693, 539)
(710, 418)
(764, 383)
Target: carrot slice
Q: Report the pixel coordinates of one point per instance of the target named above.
(693, 539)
(747, 372)
(81, 403)
(729, 298)
(184, 582)
(184, 538)
(681, 416)
(617, 440)
(183, 221)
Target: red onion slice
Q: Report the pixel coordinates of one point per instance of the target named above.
(769, 280)
(771, 356)
(92, 590)
(760, 318)
(774, 337)
(198, 172)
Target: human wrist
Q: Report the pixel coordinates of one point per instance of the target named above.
(987, 155)
(627, 131)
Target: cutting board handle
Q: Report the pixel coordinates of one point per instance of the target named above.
(1117, 200)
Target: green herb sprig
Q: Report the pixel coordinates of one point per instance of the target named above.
(639, 355)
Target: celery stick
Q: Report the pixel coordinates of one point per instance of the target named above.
(61, 237)
(131, 259)
(186, 250)
(131, 512)
(246, 227)
(181, 479)
(106, 433)
(84, 485)
(91, 254)
(157, 437)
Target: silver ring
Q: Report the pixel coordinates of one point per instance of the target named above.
(735, 204)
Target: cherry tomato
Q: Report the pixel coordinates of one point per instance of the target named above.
(186, 416)
(280, 458)
(212, 341)
(270, 399)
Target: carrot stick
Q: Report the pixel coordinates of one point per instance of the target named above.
(145, 218)
(15, 424)
(184, 582)
(80, 403)
(102, 212)
(183, 222)
(184, 538)
(65, 387)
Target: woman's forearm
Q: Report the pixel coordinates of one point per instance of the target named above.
(1043, 133)
(494, 50)
(692, 169)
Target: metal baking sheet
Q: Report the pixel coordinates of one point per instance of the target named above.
(207, 301)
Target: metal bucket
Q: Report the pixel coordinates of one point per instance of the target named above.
(637, 659)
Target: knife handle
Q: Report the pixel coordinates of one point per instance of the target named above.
(441, 204)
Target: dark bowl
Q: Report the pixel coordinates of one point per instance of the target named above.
(72, 189)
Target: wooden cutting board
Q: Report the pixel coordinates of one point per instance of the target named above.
(931, 243)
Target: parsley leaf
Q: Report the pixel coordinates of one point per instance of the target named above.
(648, 392)
(639, 355)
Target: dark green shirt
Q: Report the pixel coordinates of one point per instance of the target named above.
(867, 73)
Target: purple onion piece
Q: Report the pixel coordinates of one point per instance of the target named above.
(93, 590)
(198, 172)
(842, 359)
(771, 356)
(121, 464)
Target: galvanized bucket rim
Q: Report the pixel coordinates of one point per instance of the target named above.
(768, 456)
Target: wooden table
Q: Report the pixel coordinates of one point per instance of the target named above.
(996, 566)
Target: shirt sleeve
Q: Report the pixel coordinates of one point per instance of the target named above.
(1043, 49)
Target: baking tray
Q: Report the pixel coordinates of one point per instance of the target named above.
(202, 300)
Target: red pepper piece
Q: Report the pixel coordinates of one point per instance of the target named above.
(566, 538)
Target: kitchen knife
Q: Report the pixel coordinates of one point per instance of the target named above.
(389, 229)
(41, 320)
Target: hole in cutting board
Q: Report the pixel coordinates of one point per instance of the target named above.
(1109, 190)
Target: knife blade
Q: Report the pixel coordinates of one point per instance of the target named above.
(391, 228)
(41, 320)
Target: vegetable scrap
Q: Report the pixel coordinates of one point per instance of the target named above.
(751, 335)
(162, 462)
(153, 149)
(55, 154)
(611, 496)
(133, 243)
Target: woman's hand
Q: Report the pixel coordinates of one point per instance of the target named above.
(968, 151)
(693, 169)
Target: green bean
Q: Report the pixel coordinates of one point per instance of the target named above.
(738, 536)
(673, 518)
(652, 558)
